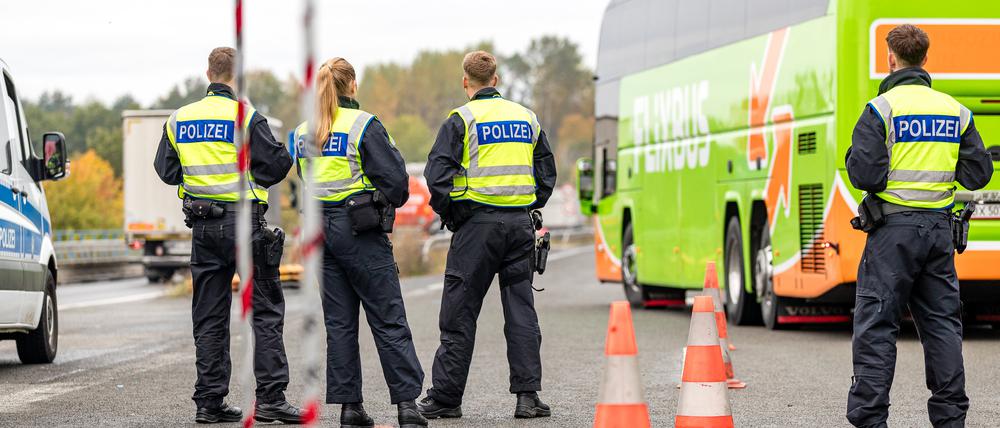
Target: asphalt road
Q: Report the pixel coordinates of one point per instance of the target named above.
(126, 359)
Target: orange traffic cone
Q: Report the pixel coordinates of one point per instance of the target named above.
(621, 403)
(704, 397)
(712, 290)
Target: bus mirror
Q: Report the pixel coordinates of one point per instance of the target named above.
(585, 184)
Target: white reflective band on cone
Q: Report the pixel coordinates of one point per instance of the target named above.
(621, 383)
(703, 399)
(716, 298)
(703, 331)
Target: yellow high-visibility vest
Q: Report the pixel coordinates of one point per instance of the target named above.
(923, 129)
(203, 134)
(498, 153)
(337, 171)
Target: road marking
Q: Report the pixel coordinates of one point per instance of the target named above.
(563, 254)
(114, 300)
(26, 394)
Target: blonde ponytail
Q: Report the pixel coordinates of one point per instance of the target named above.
(335, 77)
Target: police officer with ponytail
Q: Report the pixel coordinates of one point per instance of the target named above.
(360, 179)
(491, 163)
(909, 148)
(198, 154)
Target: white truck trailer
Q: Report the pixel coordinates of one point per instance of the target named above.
(153, 218)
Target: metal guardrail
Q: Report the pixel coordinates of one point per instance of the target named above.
(95, 252)
(88, 234)
(93, 247)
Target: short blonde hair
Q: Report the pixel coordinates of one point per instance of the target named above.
(480, 67)
(221, 63)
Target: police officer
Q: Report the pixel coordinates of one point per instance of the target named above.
(909, 147)
(360, 179)
(490, 164)
(197, 153)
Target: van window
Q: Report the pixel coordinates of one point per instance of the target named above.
(13, 110)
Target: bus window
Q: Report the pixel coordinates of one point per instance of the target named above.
(610, 169)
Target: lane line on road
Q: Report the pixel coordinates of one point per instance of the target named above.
(114, 300)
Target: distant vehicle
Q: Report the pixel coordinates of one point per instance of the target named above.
(417, 210)
(29, 312)
(154, 221)
(721, 133)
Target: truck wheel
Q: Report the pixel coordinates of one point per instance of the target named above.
(39, 346)
(155, 275)
(763, 277)
(741, 305)
(630, 275)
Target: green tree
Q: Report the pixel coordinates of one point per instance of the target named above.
(550, 77)
(190, 90)
(413, 137)
(576, 135)
(90, 198)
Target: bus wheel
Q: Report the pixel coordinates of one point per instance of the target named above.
(630, 274)
(741, 305)
(763, 274)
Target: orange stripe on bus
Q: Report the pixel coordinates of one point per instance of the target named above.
(704, 364)
(955, 48)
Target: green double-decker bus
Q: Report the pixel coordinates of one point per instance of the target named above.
(720, 137)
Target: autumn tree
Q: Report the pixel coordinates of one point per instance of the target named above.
(89, 198)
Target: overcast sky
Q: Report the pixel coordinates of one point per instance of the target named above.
(106, 48)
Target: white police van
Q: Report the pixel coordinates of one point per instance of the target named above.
(28, 311)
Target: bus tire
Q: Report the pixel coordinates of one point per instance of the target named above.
(763, 276)
(740, 305)
(630, 276)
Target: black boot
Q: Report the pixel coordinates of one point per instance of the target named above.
(433, 409)
(279, 411)
(409, 416)
(214, 415)
(353, 415)
(530, 406)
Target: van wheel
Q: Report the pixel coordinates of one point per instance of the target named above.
(630, 274)
(39, 346)
(741, 305)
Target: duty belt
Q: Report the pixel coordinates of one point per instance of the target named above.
(891, 208)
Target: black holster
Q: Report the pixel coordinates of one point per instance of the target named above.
(386, 211)
(960, 227)
(870, 215)
(542, 243)
(270, 246)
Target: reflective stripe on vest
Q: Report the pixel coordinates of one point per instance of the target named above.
(498, 153)
(203, 133)
(923, 129)
(337, 171)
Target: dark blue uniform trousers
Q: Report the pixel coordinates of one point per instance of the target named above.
(493, 241)
(213, 263)
(359, 270)
(908, 261)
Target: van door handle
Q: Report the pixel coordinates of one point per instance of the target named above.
(15, 191)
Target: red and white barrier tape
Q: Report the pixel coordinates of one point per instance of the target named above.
(244, 257)
(311, 244)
